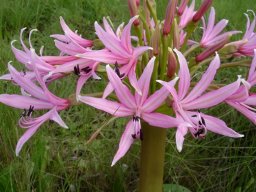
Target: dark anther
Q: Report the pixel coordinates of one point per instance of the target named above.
(135, 118)
(133, 136)
(203, 121)
(30, 110)
(27, 113)
(199, 122)
(86, 69)
(77, 70)
(199, 132)
(24, 113)
(118, 71)
(194, 116)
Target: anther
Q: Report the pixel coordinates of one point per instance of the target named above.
(77, 70)
(116, 69)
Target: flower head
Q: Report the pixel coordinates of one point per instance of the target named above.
(187, 103)
(33, 98)
(138, 107)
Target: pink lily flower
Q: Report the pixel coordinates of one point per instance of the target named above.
(242, 100)
(33, 98)
(248, 44)
(136, 106)
(187, 103)
(211, 32)
(84, 68)
(118, 50)
(70, 43)
(187, 15)
(45, 64)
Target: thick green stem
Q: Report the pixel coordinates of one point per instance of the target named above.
(152, 159)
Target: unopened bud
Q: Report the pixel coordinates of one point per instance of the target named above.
(169, 16)
(133, 10)
(182, 7)
(211, 50)
(155, 41)
(176, 35)
(172, 63)
(138, 3)
(202, 10)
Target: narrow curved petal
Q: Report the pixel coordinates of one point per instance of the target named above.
(80, 83)
(111, 43)
(155, 100)
(213, 98)
(126, 35)
(133, 80)
(205, 81)
(26, 84)
(252, 71)
(184, 75)
(144, 82)
(111, 107)
(170, 87)
(24, 102)
(108, 90)
(125, 142)
(180, 136)
(123, 93)
(218, 126)
(76, 37)
(103, 56)
(160, 120)
(245, 111)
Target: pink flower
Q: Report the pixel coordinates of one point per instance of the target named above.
(247, 46)
(242, 100)
(136, 106)
(118, 50)
(211, 32)
(187, 15)
(33, 98)
(70, 43)
(187, 103)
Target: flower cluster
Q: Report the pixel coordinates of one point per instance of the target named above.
(142, 71)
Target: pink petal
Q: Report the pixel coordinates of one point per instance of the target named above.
(126, 35)
(80, 83)
(26, 84)
(122, 92)
(184, 75)
(252, 71)
(218, 126)
(180, 136)
(24, 102)
(170, 87)
(155, 100)
(104, 56)
(125, 142)
(107, 91)
(160, 120)
(111, 107)
(245, 111)
(76, 37)
(144, 82)
(205, 81)
(110, 42)
(213, 98)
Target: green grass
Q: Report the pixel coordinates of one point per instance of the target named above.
(56, 159)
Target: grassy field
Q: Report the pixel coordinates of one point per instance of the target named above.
(60, 160)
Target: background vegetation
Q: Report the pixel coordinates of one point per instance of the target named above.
(60, 160)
